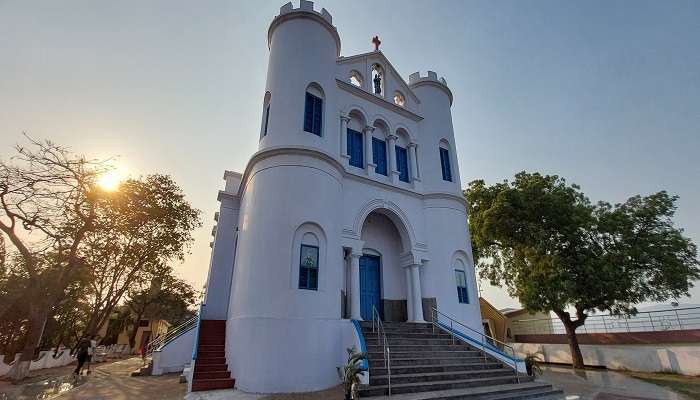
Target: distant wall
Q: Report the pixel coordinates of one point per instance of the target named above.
(652, 338)
(681, 358)
(176, 355)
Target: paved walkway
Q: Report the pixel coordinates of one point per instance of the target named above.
(604, 385)
(111, 381)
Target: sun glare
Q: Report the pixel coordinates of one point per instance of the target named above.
(110, 181)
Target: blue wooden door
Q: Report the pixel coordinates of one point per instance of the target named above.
(370, 287)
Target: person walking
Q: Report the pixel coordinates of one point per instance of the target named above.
(91, 353)
(82, 353)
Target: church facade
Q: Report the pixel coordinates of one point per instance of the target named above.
(350, 208)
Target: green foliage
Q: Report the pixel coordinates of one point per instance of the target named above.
(553, 249)
(350, 373)
(532, 362)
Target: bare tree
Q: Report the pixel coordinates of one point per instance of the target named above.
(49, 203)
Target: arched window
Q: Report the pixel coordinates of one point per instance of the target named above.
(308, 255)
(313, 109)
(401, 149)
(355, 141)
(266, 115)
(378, 79)
(399, 100)
(461, 281)
(308, 262)
(445, 163)
(356, 78)
(379, 154)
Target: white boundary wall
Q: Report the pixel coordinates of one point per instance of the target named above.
(682, 359)
(176, 355)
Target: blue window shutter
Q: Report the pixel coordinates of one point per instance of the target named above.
(379, 155)
(309, 113)
(318, 116)
(355, 148)
(267, 118)
(445, 164)
(402, 163)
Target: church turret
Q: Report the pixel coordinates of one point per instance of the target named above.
(304, 46)
(435, 107)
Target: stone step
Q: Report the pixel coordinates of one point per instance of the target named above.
(210, 360)
(212, 384)
(526, 390)
(378, 380)
(407, 335)
(212, 375)
(210, 367)
(210, 347)
(439, 385)
(401, 340)
(399, 329)
(399, 348)
(409, 360)
(427, 354)
(210, 354)
(412, 369)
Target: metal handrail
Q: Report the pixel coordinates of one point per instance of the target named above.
(435, 323)
(381, 339)
(684, 318)
(171, 335)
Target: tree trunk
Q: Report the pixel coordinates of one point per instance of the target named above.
(132, 335)
(576, 356)
(570, 327)
(38, 313)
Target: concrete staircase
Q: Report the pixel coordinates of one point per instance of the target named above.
(210, 369)
(427, 365)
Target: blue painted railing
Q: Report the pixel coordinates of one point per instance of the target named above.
(363, 346)
(196, 333)
(475, 342)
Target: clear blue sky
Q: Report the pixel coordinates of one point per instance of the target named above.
(604, 93)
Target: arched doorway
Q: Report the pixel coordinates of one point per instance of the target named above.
(382, 278)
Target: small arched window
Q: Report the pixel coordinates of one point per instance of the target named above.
(461, 281)
(356, 79)
(445, 163)
(399, 100)
(378, 79)
(266, 114)
(308, 255)
(313, 109)
(308, 262)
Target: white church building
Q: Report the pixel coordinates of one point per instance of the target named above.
(351, 204)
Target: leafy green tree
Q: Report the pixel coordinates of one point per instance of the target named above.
(150, 224)
(556, 251)
(161, 295)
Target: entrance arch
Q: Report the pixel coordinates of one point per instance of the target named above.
(385, 273)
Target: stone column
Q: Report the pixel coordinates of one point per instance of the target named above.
(412, 161)
(355, 287)
(369, 161)
(416, 294)
(393, 170)
(344, 119)
(409, 296)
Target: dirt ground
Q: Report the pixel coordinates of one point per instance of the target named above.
(111, 381)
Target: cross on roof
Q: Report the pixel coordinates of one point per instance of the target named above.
(376, 42)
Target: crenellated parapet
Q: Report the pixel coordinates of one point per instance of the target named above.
(305, 10)
(416, 80)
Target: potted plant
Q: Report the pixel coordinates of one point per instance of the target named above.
(350, 373)
(532, 364)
